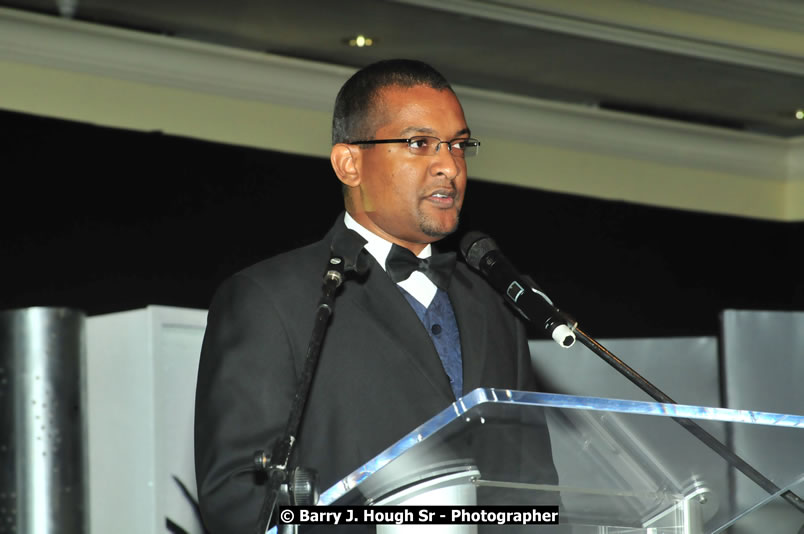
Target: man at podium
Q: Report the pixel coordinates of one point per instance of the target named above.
(408, 336)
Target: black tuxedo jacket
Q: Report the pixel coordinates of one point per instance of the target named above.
(379, 374)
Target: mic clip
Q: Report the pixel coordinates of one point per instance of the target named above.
(558, 325)
(560, 330)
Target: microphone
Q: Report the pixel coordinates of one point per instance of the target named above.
(348, 245)
(482, 254)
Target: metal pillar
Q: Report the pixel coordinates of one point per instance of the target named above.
(43, 466)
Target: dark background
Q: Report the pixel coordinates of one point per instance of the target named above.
(107, 220)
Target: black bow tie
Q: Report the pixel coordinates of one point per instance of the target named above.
(401, 263)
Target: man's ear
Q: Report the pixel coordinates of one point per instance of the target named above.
(346, 163)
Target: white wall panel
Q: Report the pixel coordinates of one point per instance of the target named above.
(141, 373)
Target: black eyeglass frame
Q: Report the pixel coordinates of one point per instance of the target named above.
(473, 143)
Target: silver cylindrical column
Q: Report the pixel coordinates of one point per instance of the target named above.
(43, 468)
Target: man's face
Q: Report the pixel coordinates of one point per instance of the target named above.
(409, 199)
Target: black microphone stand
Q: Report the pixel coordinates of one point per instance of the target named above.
(696, 430)
(299, 484)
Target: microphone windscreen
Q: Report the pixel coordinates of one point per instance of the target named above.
(475, 245)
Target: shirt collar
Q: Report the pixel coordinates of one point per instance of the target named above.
(418, 285)
(376, 245)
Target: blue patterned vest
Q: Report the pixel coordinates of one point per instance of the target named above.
(439, 320)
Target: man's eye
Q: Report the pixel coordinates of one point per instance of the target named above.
(460, 144)
(418, 143)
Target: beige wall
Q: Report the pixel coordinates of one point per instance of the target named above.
(151, 83)
(139, 106)
(617, 178)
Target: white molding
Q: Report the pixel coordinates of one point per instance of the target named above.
(626, 135)
(165, 61)
(782, 14)
(795, 160)
(631, 36)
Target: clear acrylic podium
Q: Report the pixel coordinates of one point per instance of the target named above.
(624, 467)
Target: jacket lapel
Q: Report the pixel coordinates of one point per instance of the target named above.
(405, 339)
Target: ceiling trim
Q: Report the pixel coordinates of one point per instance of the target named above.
(795, 160)
(631, 136)
(78, 46)
(781, 14)
(630, 36)
(165, 61)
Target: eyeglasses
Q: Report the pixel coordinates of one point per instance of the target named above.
(425, 145)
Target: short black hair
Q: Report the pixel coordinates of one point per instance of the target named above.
(355, 112)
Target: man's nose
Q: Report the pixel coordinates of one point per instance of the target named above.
(445, 162)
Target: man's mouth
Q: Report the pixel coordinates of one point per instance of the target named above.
(442, 198)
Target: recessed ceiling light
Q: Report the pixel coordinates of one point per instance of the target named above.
(359, 41)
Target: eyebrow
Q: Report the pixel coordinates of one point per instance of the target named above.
(421, 130)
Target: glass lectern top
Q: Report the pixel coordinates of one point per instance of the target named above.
(621, 464)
